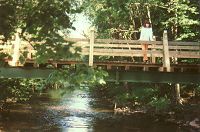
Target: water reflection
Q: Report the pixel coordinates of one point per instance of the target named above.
(76, 124)
(78, 107)
(77, 101)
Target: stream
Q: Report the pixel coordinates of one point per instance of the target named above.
(77, 112)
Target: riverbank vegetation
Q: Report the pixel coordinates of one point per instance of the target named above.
(151, 96)
(156, 100)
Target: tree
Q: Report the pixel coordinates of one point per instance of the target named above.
(182, 20)
(38, 18)
(106, 14)
(179, 17)
(39, 21)
(111, 16)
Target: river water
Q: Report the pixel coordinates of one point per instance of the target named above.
(76, 112)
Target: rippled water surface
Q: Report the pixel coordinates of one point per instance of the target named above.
(76, 112)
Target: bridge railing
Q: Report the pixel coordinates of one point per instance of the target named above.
(184, 49)
(132, 48)
(124, 48)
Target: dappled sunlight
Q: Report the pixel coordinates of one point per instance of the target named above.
(78, 107)
(77, 101)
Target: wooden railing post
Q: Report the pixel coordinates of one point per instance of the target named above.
(153, 58)
(16, 47)
(91, 46)
(166, 61)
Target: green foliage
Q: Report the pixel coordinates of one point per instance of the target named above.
(198, 90)
(182, 19)
(39, 18)
(125, 95)
(192, 60)
(19, 89)
(117, 93)
(106, 14)
(143, 95)
(56, 49)
(7, 22)
(122, 98)
(136, 95)
(161, 103)
(75, 77)
(179, 17)
(3, 56)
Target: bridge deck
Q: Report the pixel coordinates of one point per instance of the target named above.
(114, 75)
(122, 65)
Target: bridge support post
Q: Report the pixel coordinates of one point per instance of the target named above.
(91, 46)
(166, 61)
(177, 91)
(117, 77)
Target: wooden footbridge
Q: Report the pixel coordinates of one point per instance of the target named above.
(163, 55)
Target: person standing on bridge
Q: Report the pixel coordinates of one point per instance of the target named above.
(146, 34)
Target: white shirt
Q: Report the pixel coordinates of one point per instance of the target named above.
(146, 34)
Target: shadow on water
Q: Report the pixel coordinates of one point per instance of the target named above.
(76, 112)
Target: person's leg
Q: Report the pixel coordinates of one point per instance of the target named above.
(144, 48)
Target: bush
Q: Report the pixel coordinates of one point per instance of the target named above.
(160, 103)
